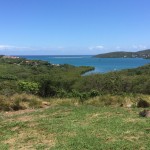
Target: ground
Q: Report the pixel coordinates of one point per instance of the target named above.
(75, 127)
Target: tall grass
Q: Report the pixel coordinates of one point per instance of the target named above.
(19, 101)
(26, 101)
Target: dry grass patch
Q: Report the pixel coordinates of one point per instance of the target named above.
(61, 112)
(69, 134)
(99, 115)
(31, 139)
(24, 118)
(134, 120)
(131, 138)
(110, 139)
(21, 102)
(66, 101)
(94, 115)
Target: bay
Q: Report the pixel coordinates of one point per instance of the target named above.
(102, 65)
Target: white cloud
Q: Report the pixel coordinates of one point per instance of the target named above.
(139, 47)
(12, 47)
(98, 47)
(3, 47)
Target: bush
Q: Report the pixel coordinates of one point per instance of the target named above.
(29, 87)
(83, 97)
(62, 93)
(75, 93)
(94, 93)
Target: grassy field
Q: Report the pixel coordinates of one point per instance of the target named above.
(75, 127)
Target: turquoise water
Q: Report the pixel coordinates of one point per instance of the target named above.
(102, 65)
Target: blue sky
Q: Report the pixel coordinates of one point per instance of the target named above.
(57, 27)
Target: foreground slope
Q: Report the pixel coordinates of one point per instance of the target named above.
(75, 127)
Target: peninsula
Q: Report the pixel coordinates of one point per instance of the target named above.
(122, 54)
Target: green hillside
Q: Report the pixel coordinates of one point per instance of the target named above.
(123, 54)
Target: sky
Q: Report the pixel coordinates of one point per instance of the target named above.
(73, 27)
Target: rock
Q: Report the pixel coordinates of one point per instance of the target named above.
(145, 113)
(142, 103)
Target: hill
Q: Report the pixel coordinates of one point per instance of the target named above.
(123, 54)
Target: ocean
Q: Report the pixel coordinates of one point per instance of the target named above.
(102, 65)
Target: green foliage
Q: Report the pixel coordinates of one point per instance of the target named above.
(94, 93)
(46, 80)
(47, 88)
(29, 87)
(8, 87)
(75, 93)
(62, 93)
(83, 97)
(8, 77)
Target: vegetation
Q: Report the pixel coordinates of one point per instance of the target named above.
(70, 127)
(37, 77)
(20, 102)
(122, 54)
(18, 75)
(75, 112)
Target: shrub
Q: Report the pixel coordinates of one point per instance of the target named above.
(75, 93)
(94, 93)
(62, 93)
(83, 97)
(29, 87)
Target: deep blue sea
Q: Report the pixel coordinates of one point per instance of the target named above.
(102, 65)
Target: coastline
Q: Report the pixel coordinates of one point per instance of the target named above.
(101, 65)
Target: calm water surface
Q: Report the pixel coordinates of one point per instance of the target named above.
(102, 65)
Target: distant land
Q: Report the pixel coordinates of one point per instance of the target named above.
(122, 54)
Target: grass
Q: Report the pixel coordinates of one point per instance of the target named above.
(20, 102)
(26, 101)
(70, 127)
